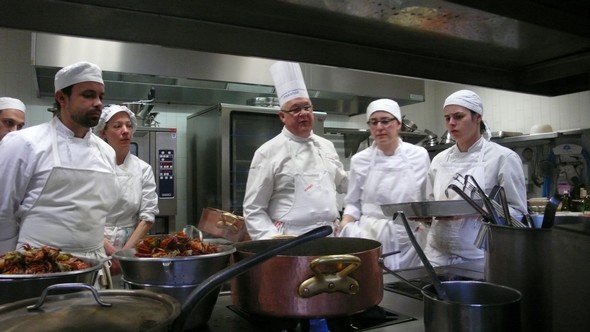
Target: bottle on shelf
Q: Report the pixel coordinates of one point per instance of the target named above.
(586, 199)
(565, 201)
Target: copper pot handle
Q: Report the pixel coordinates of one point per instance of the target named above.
(229, 221)
(331, 282)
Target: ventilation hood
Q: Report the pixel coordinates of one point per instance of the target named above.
(529, 46)
(192, 77)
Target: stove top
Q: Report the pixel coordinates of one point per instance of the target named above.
(371, 319)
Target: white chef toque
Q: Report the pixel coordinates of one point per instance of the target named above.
(466, 98)
(11, 103)
(471, 101)
(385, 105)
(77, 73)
(107, 114)
(288, 80)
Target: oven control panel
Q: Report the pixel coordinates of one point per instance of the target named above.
(166, 172)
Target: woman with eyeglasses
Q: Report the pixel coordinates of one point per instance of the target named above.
(389, 171)
(450, 240)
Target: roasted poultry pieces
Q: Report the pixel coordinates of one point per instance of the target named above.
(39, 260)
(173, 245)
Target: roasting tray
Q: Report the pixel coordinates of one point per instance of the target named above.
(428, 209)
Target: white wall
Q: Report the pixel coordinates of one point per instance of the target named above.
(505, 111)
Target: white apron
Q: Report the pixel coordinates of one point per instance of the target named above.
(71, 210)
(450, 241)
(387, 184)
(314, 202)
(122, 223)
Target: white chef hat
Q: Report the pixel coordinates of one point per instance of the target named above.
(385, 105)
(466, 98)
(107, 114)
(12, 103)
(77, 73)
(471, 101)
(288, 80)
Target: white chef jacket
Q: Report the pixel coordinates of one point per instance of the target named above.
(416, 156)
(270, 187)
(138, 201)
(26, 159)
(502, 167)
(407, 167)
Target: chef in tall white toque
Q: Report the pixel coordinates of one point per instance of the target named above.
(450, 240)
(58, 183)
(294, 177)
(12, 115)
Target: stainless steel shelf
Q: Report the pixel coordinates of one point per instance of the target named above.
(536, 139)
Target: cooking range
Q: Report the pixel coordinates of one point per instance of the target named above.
(372, 318)
(399, 311)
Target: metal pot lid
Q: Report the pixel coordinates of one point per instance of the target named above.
(130, 310)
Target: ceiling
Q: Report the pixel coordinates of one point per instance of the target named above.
(539, 47)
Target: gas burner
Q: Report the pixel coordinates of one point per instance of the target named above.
(403, 288)
(373, 318)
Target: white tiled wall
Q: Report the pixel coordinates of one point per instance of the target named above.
(506, 111)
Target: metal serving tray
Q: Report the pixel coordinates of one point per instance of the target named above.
(428, 209)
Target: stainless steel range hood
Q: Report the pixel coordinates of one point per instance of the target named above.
(192, 77)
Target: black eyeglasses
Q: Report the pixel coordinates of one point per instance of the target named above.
(297, 109)
(384, 122)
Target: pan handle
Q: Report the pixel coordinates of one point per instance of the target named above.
(240, 267)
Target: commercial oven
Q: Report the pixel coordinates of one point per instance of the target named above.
(157, 147)
(221, 142)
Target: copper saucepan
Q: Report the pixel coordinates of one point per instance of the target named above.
(327, 277)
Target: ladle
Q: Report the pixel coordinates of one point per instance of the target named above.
(397, 275)
(438, 286)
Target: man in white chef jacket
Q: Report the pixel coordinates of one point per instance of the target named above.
(389, 171)
(12, 115)
(294, 177)
(450, 240)
(58, 178)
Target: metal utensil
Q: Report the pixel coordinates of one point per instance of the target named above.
(486, 200)
(471, 202)
(505, 208)
(498, 207)
(439, 288)
(397, 275)
(193, 233)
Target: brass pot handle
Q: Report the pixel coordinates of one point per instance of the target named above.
(331, 282)
(230, 222)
